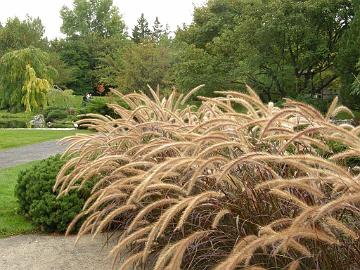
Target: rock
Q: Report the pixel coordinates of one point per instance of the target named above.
(38, 121)
(342, 121)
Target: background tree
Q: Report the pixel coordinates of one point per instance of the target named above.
(93, 29)
(88, 17)
(13, 75)
(347, 58)
(282, 48)
(198, 61)
(141, 31)
(112, 65)
(16, 34)
(293, 45)
(76, 54)
(356, 83)
(145, 64)
(159, 31)
(194, 66)
(65, 75)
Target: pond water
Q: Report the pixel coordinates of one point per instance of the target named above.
(6, 123)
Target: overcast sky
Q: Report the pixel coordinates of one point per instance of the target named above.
(172, 12)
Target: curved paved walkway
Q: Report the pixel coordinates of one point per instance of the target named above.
(24, 154)
(43, 252)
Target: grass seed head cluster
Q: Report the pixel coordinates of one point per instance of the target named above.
(215, 188)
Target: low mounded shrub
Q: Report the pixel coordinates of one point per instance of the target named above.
(99, 105)
(39, 203)
(55, 114)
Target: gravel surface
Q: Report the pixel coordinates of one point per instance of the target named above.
(24, 154)
(43, 252)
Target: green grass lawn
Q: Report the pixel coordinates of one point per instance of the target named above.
(14, 138)
(11, 223)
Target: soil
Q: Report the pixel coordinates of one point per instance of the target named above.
(47, 252)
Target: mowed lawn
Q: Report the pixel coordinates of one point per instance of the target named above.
(14, 138)
(11, 223)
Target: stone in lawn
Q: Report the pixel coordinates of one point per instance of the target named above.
(38, 121)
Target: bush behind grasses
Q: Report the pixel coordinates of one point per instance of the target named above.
(38, 202)
(213, 188)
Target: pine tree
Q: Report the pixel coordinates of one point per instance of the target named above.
(157, 30)
(141, 31)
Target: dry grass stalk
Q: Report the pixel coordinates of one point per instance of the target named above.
(212, 188)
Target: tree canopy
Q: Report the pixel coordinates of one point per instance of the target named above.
(307, 50)
(88, 17)
(145, 64)
(94, 29)
(17, 34)
(347, 59)
(15, 71)
(141, 31)
(282, 48)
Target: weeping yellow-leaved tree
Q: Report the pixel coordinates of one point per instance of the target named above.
(16, 80)
(34, 90)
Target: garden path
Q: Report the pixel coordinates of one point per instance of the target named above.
(14, 156)
(44, 252)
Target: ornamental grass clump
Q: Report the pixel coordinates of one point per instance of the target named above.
(214, 188)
